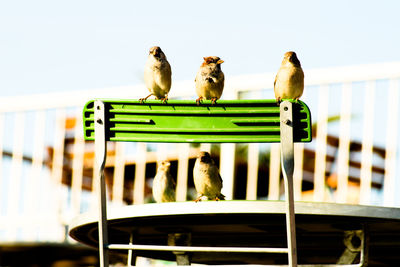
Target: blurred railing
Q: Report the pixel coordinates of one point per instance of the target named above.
(46, 174)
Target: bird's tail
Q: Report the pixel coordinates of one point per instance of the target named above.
(221, 197)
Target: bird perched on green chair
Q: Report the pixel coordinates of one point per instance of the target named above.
(210, 80)
(289, 81)
(157, 74)
(164, 184)
(206, 177)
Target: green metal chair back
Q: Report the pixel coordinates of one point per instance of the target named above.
(240, 121)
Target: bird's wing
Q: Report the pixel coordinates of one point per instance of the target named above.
(218, 75)
(168, 75)
(210, 79)
(215, 168)
(172, 180)
(168, 68)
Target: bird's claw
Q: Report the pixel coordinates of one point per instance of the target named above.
(213, 100)
(278, 101)
(198, 100)
(144, 99)
(164, 100)
(200, 198)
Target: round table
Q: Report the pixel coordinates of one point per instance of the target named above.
(320, 230)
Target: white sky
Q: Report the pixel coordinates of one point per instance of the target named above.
(48, 46)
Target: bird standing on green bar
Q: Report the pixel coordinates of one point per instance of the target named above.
(157, 74)
(164, 184)
(210, 80)
(289, 81)
(206, 177)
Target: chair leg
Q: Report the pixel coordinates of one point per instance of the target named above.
(100, 159)
(287, 156)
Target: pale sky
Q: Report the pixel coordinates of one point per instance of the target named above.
(48, 46)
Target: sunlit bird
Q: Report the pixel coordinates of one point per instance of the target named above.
(207, 180)
(164, 184)
(289, 81)
(210, 80)
(157, 74)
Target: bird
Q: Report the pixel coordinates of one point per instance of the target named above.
(289, 81)
(157, 74)
(164, 184)
(206, 177)
(210, 80)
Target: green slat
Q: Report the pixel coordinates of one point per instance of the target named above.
(194, 139)
(228, 121)
(255, 121)
(194, 112)
(132, 120)
(194, 130)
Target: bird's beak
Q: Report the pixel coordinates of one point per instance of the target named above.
(220, 61)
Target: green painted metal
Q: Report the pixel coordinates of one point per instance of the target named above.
(183, 121)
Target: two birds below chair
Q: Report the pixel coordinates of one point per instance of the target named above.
(207, 180)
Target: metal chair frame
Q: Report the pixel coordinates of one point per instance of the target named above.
(97, 127)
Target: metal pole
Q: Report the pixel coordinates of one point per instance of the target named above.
(131, 257)
(100, 159)
(198, 249)
(287, 156)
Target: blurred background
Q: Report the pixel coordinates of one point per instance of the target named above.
(57, 55)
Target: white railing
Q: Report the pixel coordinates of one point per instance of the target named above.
(45, 162)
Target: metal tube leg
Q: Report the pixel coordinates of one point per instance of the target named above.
(287, 155)
(356, 242)
(131, 254)
(181, 239)
(100, 158)
(365, 246)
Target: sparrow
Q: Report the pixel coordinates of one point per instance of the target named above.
(207, 180)
(157, 74)
(210, 80)
(289, 81)
(164, 184)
